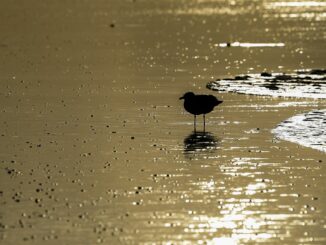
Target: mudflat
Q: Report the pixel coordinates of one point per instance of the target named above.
(97, 148)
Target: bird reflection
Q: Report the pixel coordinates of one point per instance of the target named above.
(200, 142)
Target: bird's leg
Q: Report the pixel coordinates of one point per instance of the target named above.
(195, 123)
(204, 122)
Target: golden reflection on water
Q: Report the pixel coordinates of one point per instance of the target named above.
(240, 217)
(206, 11)
(234, 220)
(298, 4)
(310, 10)
(157, 183)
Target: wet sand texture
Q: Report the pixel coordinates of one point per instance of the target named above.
(95, 147)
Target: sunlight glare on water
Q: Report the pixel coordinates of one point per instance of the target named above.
(223, 240)
(298, 4)
(299, 9)
(111, 157)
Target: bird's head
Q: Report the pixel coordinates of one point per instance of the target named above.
(187, 96)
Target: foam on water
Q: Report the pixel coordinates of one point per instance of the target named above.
(306, 129)
(302, 84)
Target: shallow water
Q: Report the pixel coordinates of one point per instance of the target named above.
(96, 147)
(305, 129)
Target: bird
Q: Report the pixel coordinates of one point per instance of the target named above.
(199, 104)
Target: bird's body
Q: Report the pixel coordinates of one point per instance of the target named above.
(199, 104)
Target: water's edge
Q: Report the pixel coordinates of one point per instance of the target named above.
(307, 129)
(304, 129)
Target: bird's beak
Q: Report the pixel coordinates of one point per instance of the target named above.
(181, 98)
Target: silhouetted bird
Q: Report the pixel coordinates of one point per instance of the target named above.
(199, 104)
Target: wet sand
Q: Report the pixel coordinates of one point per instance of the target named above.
(106, 179)
(96, 147)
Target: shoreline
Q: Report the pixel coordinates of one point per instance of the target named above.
(311, 122)
(96, 148)
(308, 84)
